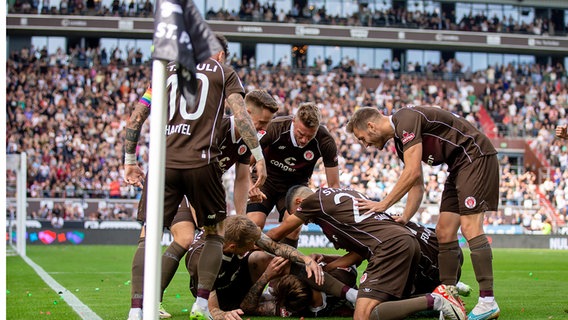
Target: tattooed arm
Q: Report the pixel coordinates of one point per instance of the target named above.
(291, 253)
(246, 129)
(251, 303)
(132, 173)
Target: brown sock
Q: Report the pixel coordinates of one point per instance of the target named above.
(401, 309)
(482, 261)
(290, 242)
(137, 290)
(170, 263)
(449, 262)
(330, 285)
(209, 264)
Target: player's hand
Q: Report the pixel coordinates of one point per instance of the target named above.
(255, 195)
(218, 314)
(369, 206)
(562, 132)
(133, 175)
(400, 219)
(260, 173)
(313, 268)
(318, 257)
(276, 268)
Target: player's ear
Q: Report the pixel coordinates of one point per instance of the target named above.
(231, 247)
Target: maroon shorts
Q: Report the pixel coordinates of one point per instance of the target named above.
(472, 188)
(273, 198)
(183, 213)
(204, 190)
(390, 272)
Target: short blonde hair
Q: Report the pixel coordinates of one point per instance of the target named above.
(309, 114)
(241, 230)
(361, 117)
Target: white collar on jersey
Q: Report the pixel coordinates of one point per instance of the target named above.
(294, 143)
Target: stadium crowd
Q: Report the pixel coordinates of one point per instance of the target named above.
(400, 17)
(67, 111)
(251, 10)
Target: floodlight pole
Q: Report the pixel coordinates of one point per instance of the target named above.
(155, 192)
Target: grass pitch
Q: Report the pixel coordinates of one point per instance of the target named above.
(529, 284)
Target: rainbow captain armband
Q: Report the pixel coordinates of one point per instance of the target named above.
(146, 98)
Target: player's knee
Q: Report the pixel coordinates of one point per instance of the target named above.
(360, 314)
(445, 235)
(471, 231)
(364, 308)
(183, 233)
(184, 240)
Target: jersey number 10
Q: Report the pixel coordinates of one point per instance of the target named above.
(186, 111)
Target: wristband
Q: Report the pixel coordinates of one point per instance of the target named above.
(257, 153)
(130, 158)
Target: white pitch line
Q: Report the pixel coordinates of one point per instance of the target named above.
(79, 307)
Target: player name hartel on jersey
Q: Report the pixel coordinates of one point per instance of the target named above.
(182, 128)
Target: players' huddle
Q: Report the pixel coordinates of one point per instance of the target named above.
(244, 272)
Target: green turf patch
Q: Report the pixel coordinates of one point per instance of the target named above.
(28, 297)
(529, 284)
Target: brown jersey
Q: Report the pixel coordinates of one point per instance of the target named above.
(233, 279)
(344, 225)
(193, 132)
(445, 137)
(427, 271)
(287, 164)
(233, 149)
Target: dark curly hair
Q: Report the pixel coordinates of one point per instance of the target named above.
(293, 293)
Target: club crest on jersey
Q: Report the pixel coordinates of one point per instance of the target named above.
(407, 136)
(242, 149)
(363, 278)
(260, 134)
(470, 202)
(309, 155)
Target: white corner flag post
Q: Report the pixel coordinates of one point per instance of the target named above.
(155, 192)
(21, 213)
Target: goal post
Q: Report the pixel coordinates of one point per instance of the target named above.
(18, 162)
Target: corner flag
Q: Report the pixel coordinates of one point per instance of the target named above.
(181, 35)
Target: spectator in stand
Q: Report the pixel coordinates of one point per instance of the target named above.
(252, 10)
(57, 221)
